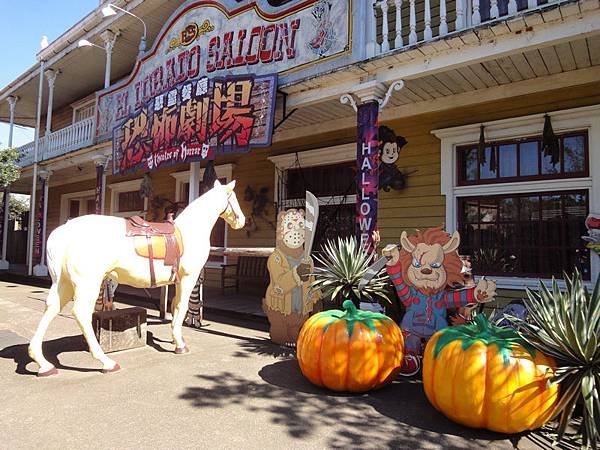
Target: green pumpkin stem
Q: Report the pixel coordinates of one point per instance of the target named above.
(482, 331)
(350, 308)
(351, 315)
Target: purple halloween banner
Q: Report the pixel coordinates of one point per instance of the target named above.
(39, 223)
(99, 188)
(367, 159)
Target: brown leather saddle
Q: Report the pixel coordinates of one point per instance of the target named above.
(156, 240)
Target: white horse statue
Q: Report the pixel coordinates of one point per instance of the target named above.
(86, 250)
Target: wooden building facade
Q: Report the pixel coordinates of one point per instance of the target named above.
(520, 209)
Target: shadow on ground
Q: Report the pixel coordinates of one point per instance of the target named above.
(52, 350)
(397, 416)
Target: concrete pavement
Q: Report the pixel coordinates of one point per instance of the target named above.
(235, 390)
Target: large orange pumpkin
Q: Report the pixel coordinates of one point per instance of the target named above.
(353, 351)
(484, 376)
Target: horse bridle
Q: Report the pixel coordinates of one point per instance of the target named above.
(229, 211)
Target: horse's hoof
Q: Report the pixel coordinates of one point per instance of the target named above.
(114, 369)
(182, 351)
(48, 373)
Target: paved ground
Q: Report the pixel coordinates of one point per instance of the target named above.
(235, 390)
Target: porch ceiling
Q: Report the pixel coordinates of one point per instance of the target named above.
(572, 56)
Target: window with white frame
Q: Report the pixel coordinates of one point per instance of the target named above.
(330, 174)
(125, 199)
(83, 111)
(75, 204)
(521, 211)
(218, 236)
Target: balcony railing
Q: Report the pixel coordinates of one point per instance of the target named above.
(61, 142)
(400, 23)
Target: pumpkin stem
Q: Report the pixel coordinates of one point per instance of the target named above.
(349, 307)
(482, 323)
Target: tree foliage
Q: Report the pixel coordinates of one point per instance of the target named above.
(9, 169)
(18, 205)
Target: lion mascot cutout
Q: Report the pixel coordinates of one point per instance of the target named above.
(289, 301)
(422, 272)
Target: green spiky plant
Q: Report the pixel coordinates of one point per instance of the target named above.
(566, 326)
(339, 269)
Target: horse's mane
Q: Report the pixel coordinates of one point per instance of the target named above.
(452, 262)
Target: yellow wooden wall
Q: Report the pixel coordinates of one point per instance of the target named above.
(419, 205)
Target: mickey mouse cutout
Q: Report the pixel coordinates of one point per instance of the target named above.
(390, 177)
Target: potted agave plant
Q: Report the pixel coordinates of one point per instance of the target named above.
(339, 269)
(566, 326)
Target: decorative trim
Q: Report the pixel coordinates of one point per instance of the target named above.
(349, 98)
(514, 128)
(395, 86)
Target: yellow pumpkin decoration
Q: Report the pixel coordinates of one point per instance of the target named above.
(353, 351)
(484, 376)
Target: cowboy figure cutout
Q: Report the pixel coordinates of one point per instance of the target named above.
(424, 271)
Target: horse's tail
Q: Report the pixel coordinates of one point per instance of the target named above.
(55, 247)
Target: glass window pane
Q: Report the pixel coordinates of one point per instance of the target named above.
(509, 209)
(551, 228)
(548, 167)
(488, 211)
(91, 206)
(529, 208)
(470, 211)
(576, 210)
(528, 158)
(535, 236)
(530, 261)
(529, 234)
(73, 209)
(507, 154)
(574, 153)
(323, 181)
(130, 201)
(487, 164)
(469, 164)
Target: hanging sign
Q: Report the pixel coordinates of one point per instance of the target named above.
(367, 159)
(195, 119)
(208, 40)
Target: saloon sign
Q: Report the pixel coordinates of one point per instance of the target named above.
(208, 84)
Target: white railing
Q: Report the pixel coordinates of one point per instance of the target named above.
(26, 154)
(65, 140)
(400, 23)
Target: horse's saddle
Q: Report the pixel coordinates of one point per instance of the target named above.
(156, 240)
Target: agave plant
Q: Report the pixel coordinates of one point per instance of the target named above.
(566, 326)
(340, 267)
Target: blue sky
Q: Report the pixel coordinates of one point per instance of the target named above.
(22, 25)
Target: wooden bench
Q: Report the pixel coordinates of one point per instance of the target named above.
(250, 271)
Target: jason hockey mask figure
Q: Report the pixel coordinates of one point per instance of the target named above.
(424, 271)
(289, 301)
